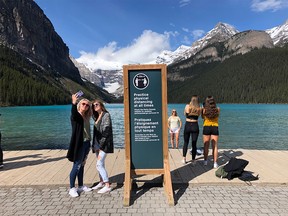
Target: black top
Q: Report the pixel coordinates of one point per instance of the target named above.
(192, 117)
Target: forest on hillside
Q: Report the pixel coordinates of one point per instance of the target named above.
(25, 83)
(260, 76)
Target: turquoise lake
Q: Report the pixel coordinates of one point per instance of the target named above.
(246, 126)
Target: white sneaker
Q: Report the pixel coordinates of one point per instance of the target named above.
(98, 186)
(215, 165)
(105, 190)
(205, 163)
(73, 192)
(84, 188)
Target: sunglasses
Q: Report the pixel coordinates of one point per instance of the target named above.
(85, 104)
(96, 104)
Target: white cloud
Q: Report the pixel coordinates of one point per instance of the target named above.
(264, 5)
(171, 33)
(143, 49)
(185, 29)
(198, 34)
(183, 3)
(186, 40)
(172, 24)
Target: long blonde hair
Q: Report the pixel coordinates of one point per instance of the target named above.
(194, 105)
(88, 113)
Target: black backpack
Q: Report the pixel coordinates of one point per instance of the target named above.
(235, 167)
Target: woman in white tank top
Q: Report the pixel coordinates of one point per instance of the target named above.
(174, 126)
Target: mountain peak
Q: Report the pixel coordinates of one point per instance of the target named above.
(226, 30)
(279, 34)
(223, 25)
(221, 32)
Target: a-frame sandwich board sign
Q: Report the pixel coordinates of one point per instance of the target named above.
(146, 134)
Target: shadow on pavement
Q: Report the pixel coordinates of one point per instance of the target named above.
(17, 162)
(180, 177)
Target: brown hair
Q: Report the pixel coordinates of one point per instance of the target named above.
(211, 110)
(102, 106)
(175, 112)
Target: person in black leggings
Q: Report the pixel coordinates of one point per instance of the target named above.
(192, 112)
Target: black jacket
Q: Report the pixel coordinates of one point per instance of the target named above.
(235, 167)
(76, 141)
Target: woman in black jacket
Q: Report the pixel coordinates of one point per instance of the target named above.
(79, 143)
(102, 143)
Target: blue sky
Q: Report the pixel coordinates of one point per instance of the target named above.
(135, 31)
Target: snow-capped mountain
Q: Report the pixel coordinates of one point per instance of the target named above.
(221, 32)
(86, 74)
(112, 80)
(279, 34)
(169, 57)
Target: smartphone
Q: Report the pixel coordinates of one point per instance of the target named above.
(79, 93)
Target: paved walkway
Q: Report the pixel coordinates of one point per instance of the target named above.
(36, 183)
(196, 200)
(50, 167)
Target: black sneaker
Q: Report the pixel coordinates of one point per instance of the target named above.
(1, 166)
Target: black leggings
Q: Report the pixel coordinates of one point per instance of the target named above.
(191, 128)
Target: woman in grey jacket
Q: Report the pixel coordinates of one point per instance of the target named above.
(102, 143)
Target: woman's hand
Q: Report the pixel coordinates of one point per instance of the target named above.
(98, 157)
(74, 99)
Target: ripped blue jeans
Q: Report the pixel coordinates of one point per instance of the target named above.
(100, 165)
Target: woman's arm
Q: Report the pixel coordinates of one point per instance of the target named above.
(180, 122)
(203, 112)
(168, 122)
(186, 110)
(75, 115)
